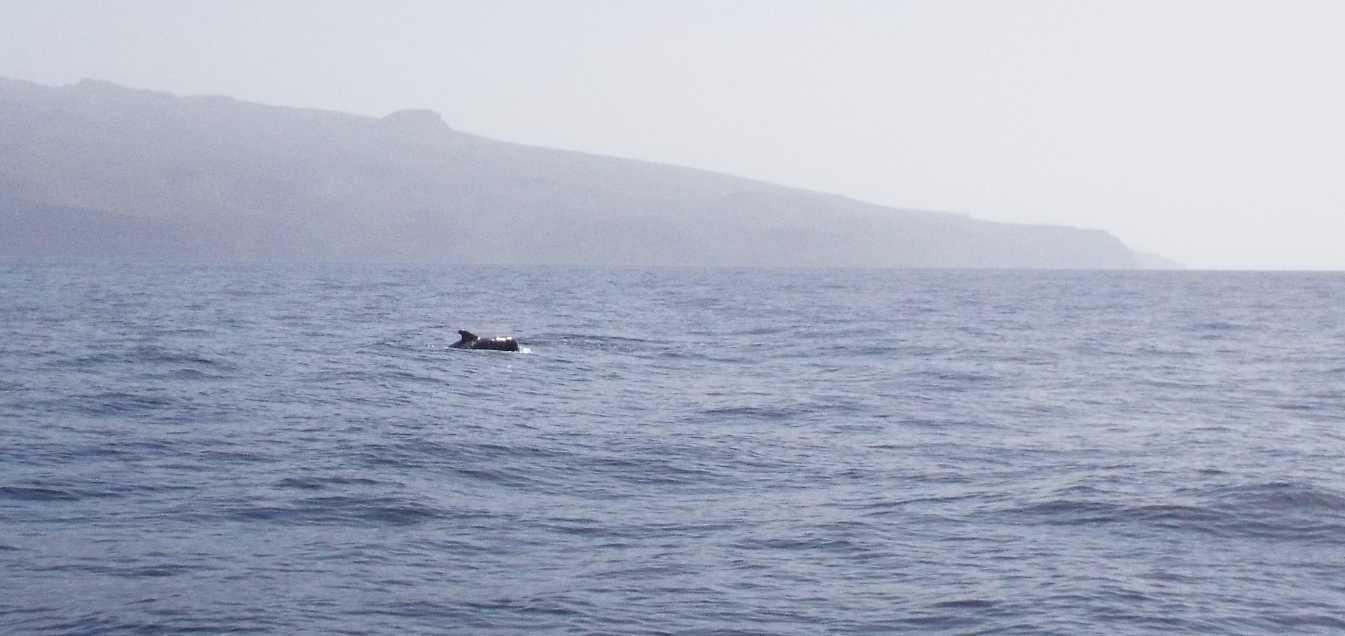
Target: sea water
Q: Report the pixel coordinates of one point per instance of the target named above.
(295, 449)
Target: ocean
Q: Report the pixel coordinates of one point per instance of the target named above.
(294, 449)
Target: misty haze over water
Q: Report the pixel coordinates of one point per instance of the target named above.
(1199, 130)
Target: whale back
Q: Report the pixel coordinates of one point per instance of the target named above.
(469, 340)
(499, 343)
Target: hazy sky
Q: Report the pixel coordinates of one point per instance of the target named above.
(1211, 132)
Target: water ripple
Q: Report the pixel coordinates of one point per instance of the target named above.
(293, 449)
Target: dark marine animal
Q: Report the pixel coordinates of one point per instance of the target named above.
(470, 340)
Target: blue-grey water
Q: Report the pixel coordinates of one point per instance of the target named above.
(291, 449)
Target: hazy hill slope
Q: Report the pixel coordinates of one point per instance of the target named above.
(95, 168)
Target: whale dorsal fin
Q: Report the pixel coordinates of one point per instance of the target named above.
(466, 335)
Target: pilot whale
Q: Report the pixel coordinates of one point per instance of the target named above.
(469, 340)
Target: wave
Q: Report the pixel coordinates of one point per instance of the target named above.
(340, 510)
(1272, 510)
(106, 404)
(320, 483)
(148, 355)
(33, 493)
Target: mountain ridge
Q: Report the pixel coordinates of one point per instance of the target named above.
(235, 179)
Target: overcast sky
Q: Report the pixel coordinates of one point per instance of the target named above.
(1210, 132)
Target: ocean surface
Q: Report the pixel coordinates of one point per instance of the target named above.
(295, 450)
